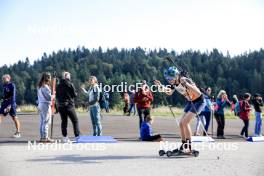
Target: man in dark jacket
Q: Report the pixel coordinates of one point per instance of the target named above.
(8, 105)
(65, 97)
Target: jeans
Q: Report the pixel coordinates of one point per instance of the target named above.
(96, 120)
(245, 128)
(258, 123)
(200, 119)
(132, 108)
(105, 105)
(65, 112)
(45, 117)
(207, 115)
(220, 119)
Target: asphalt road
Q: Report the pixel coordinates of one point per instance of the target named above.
(129, 156)
(123, 128)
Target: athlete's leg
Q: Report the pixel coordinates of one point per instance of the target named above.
(185, 122)
(182, 130)
(17, 124)
(13, 114)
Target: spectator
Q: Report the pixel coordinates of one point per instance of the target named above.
(143, 98)
(244, 114)
(65, 96)
(146, 131)
(44, 106)
(93, 95)
(234, 102)
(205, 115)
(132, 107)
(105, 102)
(8, 105)
(126, 101)
(221, 102)
(258, 104)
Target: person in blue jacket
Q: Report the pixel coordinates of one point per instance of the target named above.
(146, 131)
(8, 105)
(222, 101)
(205, 115)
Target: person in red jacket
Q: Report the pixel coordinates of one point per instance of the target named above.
(244, 114)
(143, 99)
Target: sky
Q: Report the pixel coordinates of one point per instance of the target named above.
(28, 28)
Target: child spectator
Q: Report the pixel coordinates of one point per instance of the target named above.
(146, 131)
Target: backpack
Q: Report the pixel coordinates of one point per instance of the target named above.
(238, 108)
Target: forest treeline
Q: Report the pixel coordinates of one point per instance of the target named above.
(237, 75)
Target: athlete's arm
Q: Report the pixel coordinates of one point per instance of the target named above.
(184, 81)
(164, 89)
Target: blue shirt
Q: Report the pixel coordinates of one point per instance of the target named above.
(221, 105)
(145, 131)
(9, 94)
(208, 103)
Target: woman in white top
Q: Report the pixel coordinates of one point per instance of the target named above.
(44, 106)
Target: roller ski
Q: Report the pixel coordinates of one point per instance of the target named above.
(184, 150)
(175, 153)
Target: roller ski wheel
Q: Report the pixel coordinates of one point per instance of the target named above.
(169, 154)
(195, 153)
(162, 153)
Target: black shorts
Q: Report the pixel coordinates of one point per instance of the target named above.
(196, 106)
(153, 138)
(12, 111)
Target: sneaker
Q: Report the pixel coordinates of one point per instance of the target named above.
(77, 138)
(66, 140)
(46, 140)
(246, 138)
(17, 135)
(196, 134)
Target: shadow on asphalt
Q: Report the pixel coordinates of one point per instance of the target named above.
(76, 159)
(14, 142)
